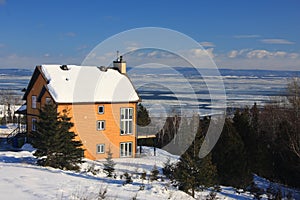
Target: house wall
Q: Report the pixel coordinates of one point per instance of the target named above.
(85, 117)
(35, 91)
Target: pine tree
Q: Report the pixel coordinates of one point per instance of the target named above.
(143, 118)
(109, 165)
(55, 143)
(168, 169)
(230, 157)
(193, 172)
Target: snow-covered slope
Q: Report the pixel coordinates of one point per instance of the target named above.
(20, 178)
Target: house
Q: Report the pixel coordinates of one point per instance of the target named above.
(101, 101)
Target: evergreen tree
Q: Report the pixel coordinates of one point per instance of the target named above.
(109, 165)
(191, 172)
(168, 169)
(230, 157)
(55, 143)
(143, 118)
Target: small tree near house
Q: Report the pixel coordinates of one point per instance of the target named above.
(154, 173)
(55, 143)
(109, 165)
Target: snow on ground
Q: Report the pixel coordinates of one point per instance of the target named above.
(21, 178)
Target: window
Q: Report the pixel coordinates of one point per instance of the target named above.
(126, 120)
(100, 148)
(33, 124)
(100, 109)
(48, 100)
(100, 125)
(126, 149)
(33, 101)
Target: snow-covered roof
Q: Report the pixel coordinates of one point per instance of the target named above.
(22, 108)
(78, 84)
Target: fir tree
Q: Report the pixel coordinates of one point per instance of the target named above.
(230, 157)
(143, 118)
(192, 172)
(55, 143)
(109, 165)
(168, 169)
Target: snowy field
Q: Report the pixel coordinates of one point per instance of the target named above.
(21, 178)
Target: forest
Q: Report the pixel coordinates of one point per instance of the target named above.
(261, 139)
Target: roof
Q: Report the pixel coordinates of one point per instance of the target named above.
(21, 109)
(82, 84)
(32, 81)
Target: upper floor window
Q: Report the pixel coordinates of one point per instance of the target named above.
(126, 121)
(33, 101)
(48, 100)
(100, 109)
(100, 125)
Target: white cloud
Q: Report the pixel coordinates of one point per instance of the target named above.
(246, 36)
(202, 52)
(293, 55)
(46, 55)
(260, 53)
(259, 59)
(276, 41)
(131, 45)
(207, 44)
(233, 54)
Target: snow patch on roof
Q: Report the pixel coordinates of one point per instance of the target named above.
(88, 84)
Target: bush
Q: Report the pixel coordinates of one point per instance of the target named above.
(128, 178)
(168, 169)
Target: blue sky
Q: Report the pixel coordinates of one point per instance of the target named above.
(257, 34)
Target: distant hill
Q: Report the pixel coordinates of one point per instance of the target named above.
(15, 72)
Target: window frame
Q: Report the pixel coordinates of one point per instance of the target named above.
(126, 149)
(48, 100)
(101, 106)
(102, 127)
(126, 121)
(33, 124)
(33, 101)
(100, 147)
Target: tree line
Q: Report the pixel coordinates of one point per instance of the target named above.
(262, 140)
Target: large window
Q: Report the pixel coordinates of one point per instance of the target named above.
(126, 149)
(100, 125)
(126, 121)
(33, 101)
(33, 124)
(100, 148)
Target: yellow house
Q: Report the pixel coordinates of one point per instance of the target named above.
(101, 102)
